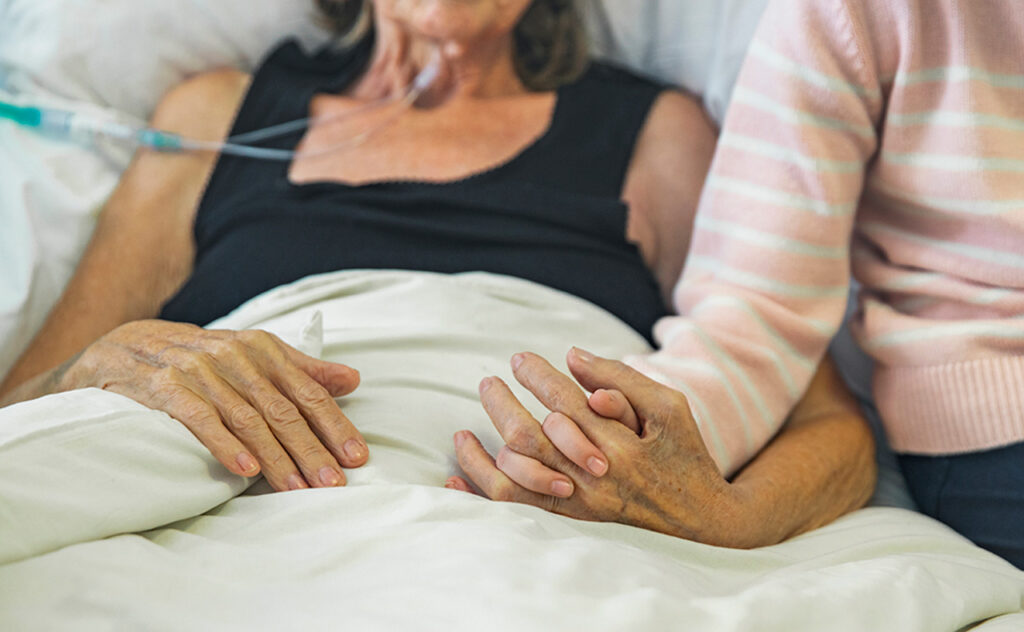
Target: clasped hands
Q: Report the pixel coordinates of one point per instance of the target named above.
(629, 452)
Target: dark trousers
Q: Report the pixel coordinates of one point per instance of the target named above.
(980, 494)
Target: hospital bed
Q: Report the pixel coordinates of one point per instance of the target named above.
(112, 516)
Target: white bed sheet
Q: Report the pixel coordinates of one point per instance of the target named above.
(113, 517)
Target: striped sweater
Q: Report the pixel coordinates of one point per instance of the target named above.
(884, 139)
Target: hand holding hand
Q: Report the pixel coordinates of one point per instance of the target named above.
(255, 402)
(657, 475)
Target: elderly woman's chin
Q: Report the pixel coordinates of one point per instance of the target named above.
(454, 20)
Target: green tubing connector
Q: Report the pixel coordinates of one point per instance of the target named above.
(29, 117)
(161, 141)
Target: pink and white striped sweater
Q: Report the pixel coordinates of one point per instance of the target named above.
(886, 137)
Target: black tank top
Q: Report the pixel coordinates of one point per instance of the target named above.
(552, 214)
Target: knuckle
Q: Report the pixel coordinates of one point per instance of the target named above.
(226, 348)
(280, 410)
(310, 452)
(680, 404)
(199, 416)
(202, 415)
(521, 439)
(289, 424)
(185, 407)
(174, 398)
(504, 491)
(247, 335)
(553, 392)
(311, 392)
(243, 419)
(256, 338)
(193, 362)
(557, 398)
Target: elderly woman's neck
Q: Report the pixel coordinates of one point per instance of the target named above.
(478, 69)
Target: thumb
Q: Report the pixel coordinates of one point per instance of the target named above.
(612, 404)
(655, 404)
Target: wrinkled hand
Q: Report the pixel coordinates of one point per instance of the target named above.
(253, 401)
(657, 474)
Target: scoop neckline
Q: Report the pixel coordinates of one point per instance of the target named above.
(533, 145)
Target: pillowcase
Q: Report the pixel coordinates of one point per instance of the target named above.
(125, 54)
(696, 44)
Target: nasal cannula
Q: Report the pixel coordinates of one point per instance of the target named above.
(77, 126)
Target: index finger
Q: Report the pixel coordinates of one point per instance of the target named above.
(560, 393)
(650, 400)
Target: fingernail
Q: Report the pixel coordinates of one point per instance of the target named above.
(485, 385)
(562, 489)
(597, 466)
(354, 450)
(460, 438)
(586, 356)
(247, 463)
(296, 482)
(330, 476)
(517, 361)
(450, 484)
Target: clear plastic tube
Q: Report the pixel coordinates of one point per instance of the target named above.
(87, 128)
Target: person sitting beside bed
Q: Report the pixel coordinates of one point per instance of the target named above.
(524, 158)
(887, 139)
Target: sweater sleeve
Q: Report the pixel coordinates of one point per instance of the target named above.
(765, 283)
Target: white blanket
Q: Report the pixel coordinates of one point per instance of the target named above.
(113, 517)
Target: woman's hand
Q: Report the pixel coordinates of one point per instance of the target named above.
(656, 471)
(255, 403)
(566, 436)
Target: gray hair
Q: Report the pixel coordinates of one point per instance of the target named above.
(550, 39)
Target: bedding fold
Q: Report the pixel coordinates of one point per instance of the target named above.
(112, 514)
(88, 464)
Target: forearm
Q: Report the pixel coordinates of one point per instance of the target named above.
(103, 295)
(140, 253)
(819, 467)
(812, 473)
(45, 383)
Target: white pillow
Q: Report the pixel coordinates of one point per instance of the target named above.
(126, 54)
(696, 44)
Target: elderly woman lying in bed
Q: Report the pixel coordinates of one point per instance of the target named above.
(589, 177)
